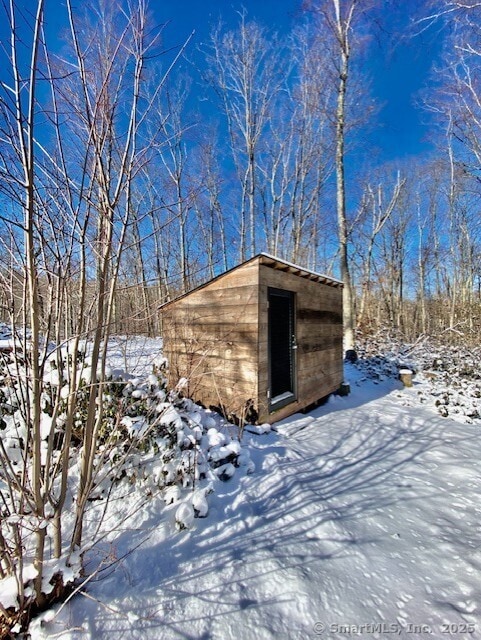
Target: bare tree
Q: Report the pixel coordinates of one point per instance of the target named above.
(297, 161)
(210, 215)
(245, 71)
(456, 105)
(342, 23)
(381, 211)
(71, 153)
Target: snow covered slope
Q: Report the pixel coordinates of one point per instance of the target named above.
(362, 519)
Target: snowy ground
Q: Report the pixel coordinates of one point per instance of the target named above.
(362, 519)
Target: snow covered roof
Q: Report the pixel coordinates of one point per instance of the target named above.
(275, 263)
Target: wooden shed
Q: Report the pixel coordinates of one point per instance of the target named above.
(259, 342)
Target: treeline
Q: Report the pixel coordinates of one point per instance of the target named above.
(116, 196)
(146, 172)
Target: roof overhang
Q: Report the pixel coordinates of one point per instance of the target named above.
(289, 267)
(274, 263)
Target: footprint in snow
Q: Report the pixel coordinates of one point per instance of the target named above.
(465, 607)
(245, 603)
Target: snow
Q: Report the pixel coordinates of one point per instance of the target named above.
(361, 518)
(184, 516)
(282, 396)
(8, 592)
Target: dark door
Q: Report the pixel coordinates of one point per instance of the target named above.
(282, 345)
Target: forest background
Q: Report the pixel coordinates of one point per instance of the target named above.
(137, 161)
(207, 148)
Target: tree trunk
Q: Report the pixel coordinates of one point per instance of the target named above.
(347, 297)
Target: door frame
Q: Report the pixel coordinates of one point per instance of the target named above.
(289, 396)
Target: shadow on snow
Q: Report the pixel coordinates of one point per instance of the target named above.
(304, 483)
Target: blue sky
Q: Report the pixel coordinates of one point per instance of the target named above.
(397, 73)
(400, 67)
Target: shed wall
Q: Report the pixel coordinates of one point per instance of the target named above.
(217, 337)
(319, 333)
(211, 338)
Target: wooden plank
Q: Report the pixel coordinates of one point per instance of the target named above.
(249, 273)
(212, 337)
(230, 315)
(234, 313)
(211, 388)
(219, 355)
(320, 345)
(226, 380)
(227, 351)
(211, 361)
(324, 367)
(245, 294)
(240, 286)
(228, 310)
(284, 280)
(306, 332)
(238, 351)
(246, 274)
(315, 316)
(215, 394)
(234, 295)
(327, 358)
(230, 370)
(319, 392)
(317, 374)
(213, 347)
(233, 399)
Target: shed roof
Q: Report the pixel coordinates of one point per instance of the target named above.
(273, 262)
